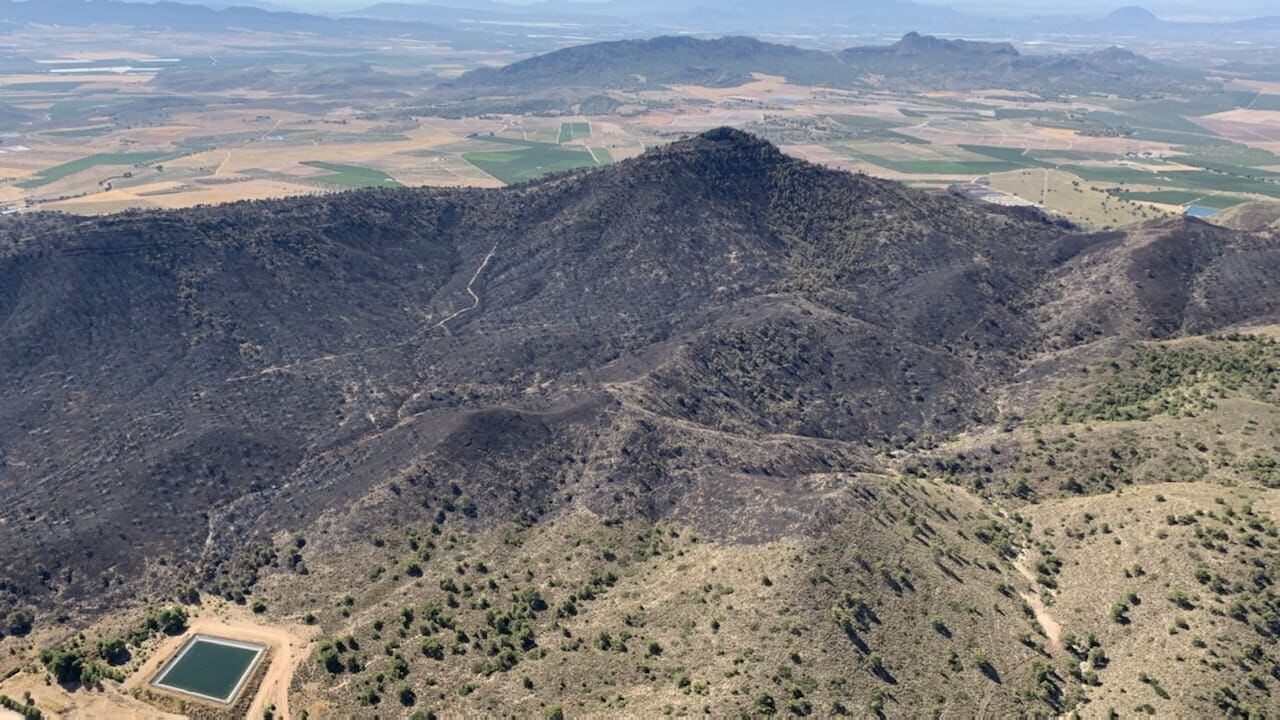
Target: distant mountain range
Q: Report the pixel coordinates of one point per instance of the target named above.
(490, 21)
(914, 62)
(493, 12)
(829, 17)
(200, 18)
(1134, 20)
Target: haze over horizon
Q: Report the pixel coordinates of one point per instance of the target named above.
(1168, 9)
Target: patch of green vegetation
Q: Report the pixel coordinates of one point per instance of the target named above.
(46, 85)
(933, 167)
(1075, 155)
(57, 172)
(1014, 156)
(1227, 168)
(1230, 154)
(71, 110)
(1118, 175)
(860, 127)
(356, 176)
(1215, 181)
(81, 132)
(574, 131)
(25, 708)
(1027, 114)
(530, 161)
(1265, 102)
(1181, 197)
(1181, 381)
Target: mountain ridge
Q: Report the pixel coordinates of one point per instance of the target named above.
(713, 369)
(914, 62)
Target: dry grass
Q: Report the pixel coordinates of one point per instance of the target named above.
(1073, 198)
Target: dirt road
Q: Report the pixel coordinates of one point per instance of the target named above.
(1052, 628)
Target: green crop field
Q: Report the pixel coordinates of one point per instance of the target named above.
(872, 128)
(355, 176)
(70, 110)
(1014, 156)
(1183, 197)
(81, 132)
(935, 167)
(1119, 175)
(1227, 183)
(574, 131)
(1073, 155)
(1265, 102)
(1028, 114)
(57, 172)
(45, 86)
(530, 162)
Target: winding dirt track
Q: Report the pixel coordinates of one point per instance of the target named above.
(1052, 628)
(475, 299)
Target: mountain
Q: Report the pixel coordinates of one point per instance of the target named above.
(1251, 217)
(199, 18)
(1132, 19)
(346, 81)
(538, 14)
(921, 62)
(663, 60)
(711, 427)
(1135, 21)
(916, 62)
(864, 15)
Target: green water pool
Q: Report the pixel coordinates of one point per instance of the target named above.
(209, 667)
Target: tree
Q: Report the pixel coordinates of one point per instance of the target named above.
(433, 648)
(113, 650)
(172, 620)
(330, 658)
(18, 623)
(64, 663)
(399, 668)
(764, 705)
(1119, 613)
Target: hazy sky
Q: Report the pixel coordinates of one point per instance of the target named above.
(1203, 9)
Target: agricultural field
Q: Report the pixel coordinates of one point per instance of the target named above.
(528, 159)
(354, 176)
(1075, 199)
(67, 169)
(570, 131)
(173, 132)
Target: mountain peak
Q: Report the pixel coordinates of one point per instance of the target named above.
(1133, 15)
(722, 148)
(731, 137)
(914, 43)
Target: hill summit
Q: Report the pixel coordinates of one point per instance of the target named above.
(710, 427)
